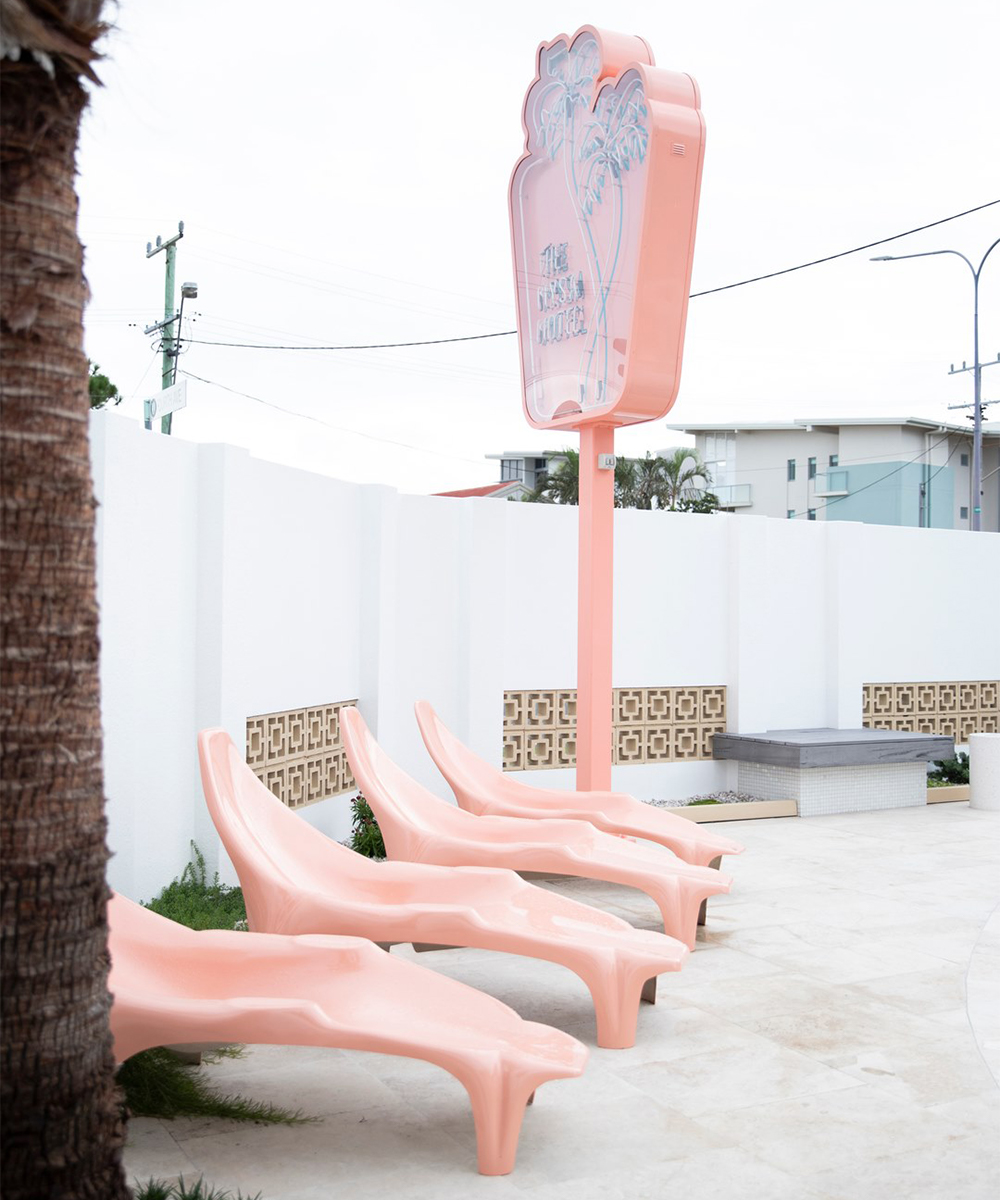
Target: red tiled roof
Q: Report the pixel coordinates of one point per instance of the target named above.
(488, 490)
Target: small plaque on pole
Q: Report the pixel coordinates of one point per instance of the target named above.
(167, 401)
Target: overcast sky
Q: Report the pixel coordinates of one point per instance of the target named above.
(342, 173)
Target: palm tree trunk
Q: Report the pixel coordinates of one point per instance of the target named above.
(62, 1130)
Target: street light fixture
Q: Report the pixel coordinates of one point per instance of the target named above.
(977, 369)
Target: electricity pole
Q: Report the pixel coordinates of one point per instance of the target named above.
(977, 374)
(168, 334)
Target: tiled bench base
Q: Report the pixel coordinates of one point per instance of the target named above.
(822, 791)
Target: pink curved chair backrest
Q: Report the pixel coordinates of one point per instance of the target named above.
(405, 808)
(273, 849)
(155, 960)
(467, 774)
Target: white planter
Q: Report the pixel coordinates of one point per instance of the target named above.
(984, 771)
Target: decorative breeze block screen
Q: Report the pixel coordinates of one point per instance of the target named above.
(953, 709)
(299, 754)
(663, 724)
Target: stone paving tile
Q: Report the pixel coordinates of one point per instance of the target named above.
(715, 1081)
(817, 1046)
(154, 1151)
(949, 1068)
(821, 1132)
(941, 989)
(728, 1174)
(968, 1169)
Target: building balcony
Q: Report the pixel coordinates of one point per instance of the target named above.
(732, 495)
(832, 483)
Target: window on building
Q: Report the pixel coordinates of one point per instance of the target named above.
(720, 458)
(791, 514)
(812, 514)
(963, 459)
(791, 470)
(511, 468)
(812, 468)
(834, 460)
(963, 513)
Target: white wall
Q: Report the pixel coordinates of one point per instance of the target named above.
(231, 587)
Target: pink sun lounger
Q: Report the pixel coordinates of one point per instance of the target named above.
(172, 984)
(296, 880)
(419, 827)
(485, 791)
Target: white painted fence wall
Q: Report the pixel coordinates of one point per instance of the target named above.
(230, 587)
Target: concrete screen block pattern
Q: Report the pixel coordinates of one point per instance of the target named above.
(649, 725)
(955, 708)
(298, 754)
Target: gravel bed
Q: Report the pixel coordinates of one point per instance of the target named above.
(722, 797)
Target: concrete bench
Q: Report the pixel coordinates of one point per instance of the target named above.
(834, 770)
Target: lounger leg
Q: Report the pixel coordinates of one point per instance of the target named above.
(498, 1107)
(649, 990)
(703, 911)
(615, 994)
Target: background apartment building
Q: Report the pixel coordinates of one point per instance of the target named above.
(880, 470)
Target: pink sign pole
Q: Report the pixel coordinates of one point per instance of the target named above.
(595, 628)
(603, 207)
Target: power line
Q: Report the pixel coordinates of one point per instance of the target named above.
(475, 337)
(291, 412)
(843, 253)
(472, 337)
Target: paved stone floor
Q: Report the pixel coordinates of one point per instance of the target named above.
(835, 1036)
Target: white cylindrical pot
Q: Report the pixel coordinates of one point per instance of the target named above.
(984, 771)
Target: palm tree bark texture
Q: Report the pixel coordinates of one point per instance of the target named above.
(62, 1129)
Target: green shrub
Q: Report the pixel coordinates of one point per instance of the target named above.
(156, 1083)
(950, 771)
(193, 901)
(708, 800)
(366, 837)
(160, 1189)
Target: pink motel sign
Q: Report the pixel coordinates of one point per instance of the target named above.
(603, 206)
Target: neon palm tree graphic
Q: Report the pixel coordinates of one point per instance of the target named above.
(595, 150)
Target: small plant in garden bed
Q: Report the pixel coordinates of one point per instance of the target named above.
(708, 798)
(950, 771)
(161, 1189)
(194, 901)
(366, 837)
(156, 1083)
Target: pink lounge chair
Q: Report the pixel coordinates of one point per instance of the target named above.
(418, 827)
(297, 880)
(483, 790)
(171, 984)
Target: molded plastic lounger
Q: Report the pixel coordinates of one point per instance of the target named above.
(172, 984)
(485, 791)
(296, 880)
(418, 826)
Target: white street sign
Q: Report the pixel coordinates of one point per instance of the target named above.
(167, 401)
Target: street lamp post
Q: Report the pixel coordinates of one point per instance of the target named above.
(977, 372)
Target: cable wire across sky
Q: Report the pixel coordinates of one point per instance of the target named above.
(477, 337)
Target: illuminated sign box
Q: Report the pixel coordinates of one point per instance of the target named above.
(603, 206)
